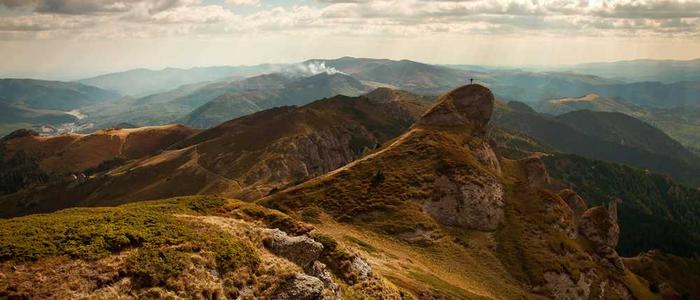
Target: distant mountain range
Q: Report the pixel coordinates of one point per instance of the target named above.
(27, 102)
(681, 123)
(141, 82)
(298, 92)
(604, 136)
(51, 95)
(667, 71)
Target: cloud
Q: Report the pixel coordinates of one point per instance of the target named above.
(380, 18)
(242, 2)
(88, 7)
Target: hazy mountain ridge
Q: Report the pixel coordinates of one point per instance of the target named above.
(604, 144)
(295, 92)
(139, 82)
(681, 123)
(645, 70)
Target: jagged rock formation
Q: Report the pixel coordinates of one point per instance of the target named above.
(599, 225)
(575, 202)
(470, 104)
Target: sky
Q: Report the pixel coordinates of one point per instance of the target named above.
(70, 39)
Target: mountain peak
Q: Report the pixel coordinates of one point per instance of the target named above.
(469, 104)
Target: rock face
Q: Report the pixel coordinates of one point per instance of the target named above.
(469, 104)
(299, 287)
(599, 225)
(537, 175)
(575, 202)
(473, 204)
(301, 250)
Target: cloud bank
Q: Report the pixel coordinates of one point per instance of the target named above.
(120, 19)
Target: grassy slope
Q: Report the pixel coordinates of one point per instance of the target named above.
(521, 250)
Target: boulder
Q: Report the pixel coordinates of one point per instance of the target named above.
(300, 250)
(467, 105)
(299, 287)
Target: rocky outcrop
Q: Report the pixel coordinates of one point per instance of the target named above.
(599, 225)
(299, 287)
(575, 202)
(476, 203)
(486, 153)
(301, 250)
(537, 175)
(470, 104)
(559, 214)
(562, 286)
(320, 271)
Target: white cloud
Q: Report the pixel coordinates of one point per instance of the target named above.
(242, 2)
(110, 19)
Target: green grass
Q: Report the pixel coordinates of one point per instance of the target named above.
(94, 233)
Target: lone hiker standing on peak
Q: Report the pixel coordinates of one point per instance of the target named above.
(471, 80)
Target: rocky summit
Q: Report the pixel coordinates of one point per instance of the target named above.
(470, 104)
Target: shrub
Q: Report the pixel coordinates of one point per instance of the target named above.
(152, 266)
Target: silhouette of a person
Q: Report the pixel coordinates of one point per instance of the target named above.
(471, 80)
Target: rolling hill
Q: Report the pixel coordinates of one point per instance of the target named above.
(604, 136)
(534, 87)
(52, 95)
(681, 123)
(592, 102)
(141, 82)
(403, 74)
(296, 92)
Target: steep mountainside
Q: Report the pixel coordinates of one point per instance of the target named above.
(442, 188)
(51, 95)
(29, 159)
(655, 213)
(606, 143)
(297, 92)
(245, 157)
